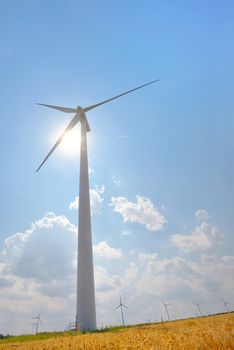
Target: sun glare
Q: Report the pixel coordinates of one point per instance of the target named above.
(70, 144)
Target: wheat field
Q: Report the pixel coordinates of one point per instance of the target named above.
(213, 332)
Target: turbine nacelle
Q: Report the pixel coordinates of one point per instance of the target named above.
(80, 116)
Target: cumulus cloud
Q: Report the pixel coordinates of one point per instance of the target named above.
(147, 256)
(104, 281)
(103, 250)
(44, 251)
(204, 237)
(201, 215)
(142, 212)
(151, 279)
(161, 266)
(100, 189)
(38, 271)
(130, 274)
(96, 201)
(179, 278)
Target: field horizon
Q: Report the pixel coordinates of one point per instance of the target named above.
(206, 332)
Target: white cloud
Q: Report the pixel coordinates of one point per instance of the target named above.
(161, 266)
(142, 212)
(204, 237)
(96, 201)
(130, 274)
(147, 256)
(105, 251)
(201, 215)
(91, 171)
(74, 204)
(38, 271)
(151, 279)
(100, 189)
(126, 233)
(43, 251)
(104, 282)
(179, 278)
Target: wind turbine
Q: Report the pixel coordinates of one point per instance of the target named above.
(85, 306)
(37, 321)
(226, 305)
(166, 310)
(198, 306)
(121, 305)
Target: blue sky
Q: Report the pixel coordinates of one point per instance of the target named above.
(157, 157)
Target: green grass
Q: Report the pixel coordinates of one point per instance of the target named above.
(48, 335)
(39, 336)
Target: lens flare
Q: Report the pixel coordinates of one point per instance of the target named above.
(70, 145)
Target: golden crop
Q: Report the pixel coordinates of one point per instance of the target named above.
(214, 332)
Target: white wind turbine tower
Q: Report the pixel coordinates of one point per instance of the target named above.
(121, 305)
(199, 309)
(225, 305)
(85, 307)
(166, 310)
(37, 321)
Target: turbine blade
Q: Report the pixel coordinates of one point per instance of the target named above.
(72, 123)
(117, 307)
(113, 98)
(125, 306)
(62, 109)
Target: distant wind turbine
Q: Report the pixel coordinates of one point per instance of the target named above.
(85, 306)
(121, 305)
(166, 310)
(225, 305)
(198, 306)
(37, 321)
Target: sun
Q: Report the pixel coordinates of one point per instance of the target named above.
(70, 145)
